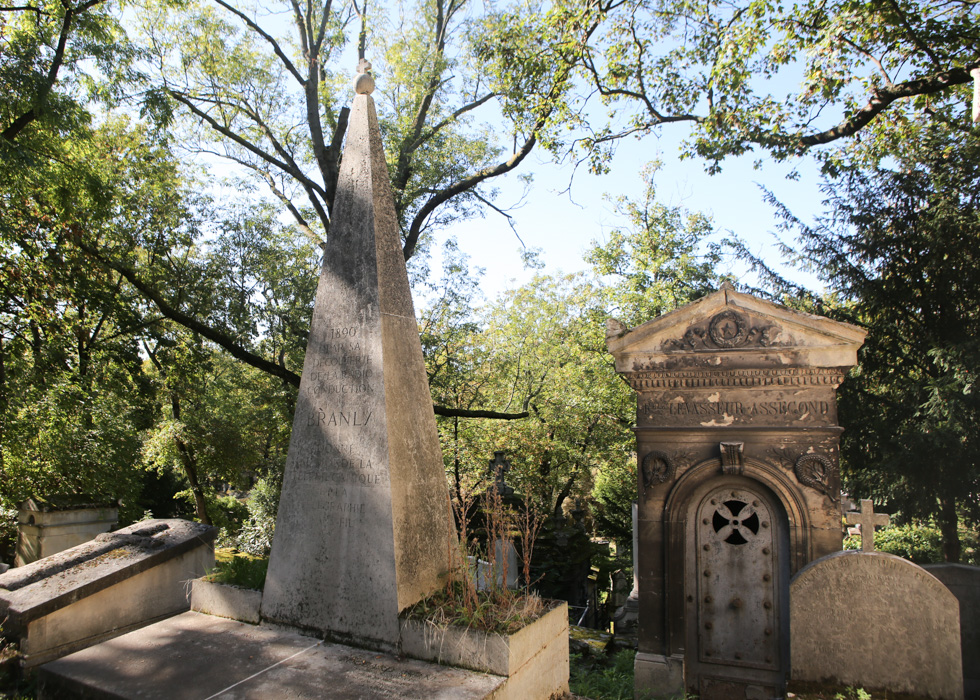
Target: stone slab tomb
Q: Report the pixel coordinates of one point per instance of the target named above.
(194, 657)
(737, 448)
(878, 622)
(46, 526)
(964, 582)
(103, 588)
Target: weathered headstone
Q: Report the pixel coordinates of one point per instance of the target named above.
(737, 447)
(867, 520)
(47, 526)
(103, 588)
(875, 621)
(363, 527)
(964, 582)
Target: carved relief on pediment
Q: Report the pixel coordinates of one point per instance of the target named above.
(726, 330)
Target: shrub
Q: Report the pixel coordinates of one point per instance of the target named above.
(917, 543)
(8, 535)
(228, 514)
(255, 536)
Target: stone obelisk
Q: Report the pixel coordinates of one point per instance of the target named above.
(363, 527)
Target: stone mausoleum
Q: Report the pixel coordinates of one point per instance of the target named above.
(737, 447)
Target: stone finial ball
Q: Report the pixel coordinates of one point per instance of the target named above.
(363, 84)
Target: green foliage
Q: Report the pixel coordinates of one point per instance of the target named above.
(660, 260)
(239, 569)
(722, 67)
(8, 535)
(917, 543)
(228, 514)
(255, 536)
(599, 677)
(898, 248)
(539, 352)
(922, 544)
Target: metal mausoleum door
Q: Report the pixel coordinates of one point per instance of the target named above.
(737, 650)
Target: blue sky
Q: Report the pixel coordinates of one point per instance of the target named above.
(564, 224)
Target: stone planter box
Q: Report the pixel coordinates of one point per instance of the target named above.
(534, 659)
(223, 600)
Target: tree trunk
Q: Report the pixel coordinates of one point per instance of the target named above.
(3, 407)
(948, 523)
(189, 464)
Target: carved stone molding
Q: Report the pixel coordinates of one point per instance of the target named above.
(644, 377)
(811, 469)
(731, 458)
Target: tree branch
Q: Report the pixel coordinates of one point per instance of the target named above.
(459, 187)
(265, 35)
(883, 97)
(312, 188)
(192, 324)
(468, 413)
(21, 122)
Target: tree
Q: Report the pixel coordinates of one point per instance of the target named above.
(718, 66)
(281, 115)
(539, 351)
(899, 250)
(220, 422)
(660, 260)
(46, 45)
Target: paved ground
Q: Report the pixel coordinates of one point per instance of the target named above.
(200, 657)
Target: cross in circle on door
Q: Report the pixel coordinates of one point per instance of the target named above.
(867, 519)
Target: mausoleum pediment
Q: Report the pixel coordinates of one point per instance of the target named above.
(729, 329)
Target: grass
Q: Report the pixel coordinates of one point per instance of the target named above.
(491, 611)
(600, 677)
(238, 569)
(817, 691)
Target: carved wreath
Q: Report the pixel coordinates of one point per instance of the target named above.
(814, 471)
(657, 468)
(728, 329)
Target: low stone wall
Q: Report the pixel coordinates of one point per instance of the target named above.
(534, 659)
(222, 600)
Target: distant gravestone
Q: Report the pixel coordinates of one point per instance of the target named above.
(867, 520)
(47, 526)
(875, 621)
(363, 527)
(964, 582)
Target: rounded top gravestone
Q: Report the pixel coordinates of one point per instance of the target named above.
(876, 621)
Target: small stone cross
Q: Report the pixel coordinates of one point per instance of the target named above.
(501, 466)
(867, 519)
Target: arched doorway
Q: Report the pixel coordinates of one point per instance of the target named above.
(737, 592)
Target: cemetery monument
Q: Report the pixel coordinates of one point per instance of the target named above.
(363, 529)
(737, 448)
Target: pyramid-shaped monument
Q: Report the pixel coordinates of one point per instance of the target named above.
(363, 527)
